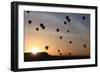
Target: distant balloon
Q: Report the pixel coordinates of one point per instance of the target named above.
(70, 42)
(67, 17)
(67, 30)
(60, 37)
(65, 22)
(37, 29)
(43, 27)
(84, 45)
(58, 50)
(60, 54)
(69, 53)
(57, 29)
(29, 21)
(83, 17)
(69, 20)
(28, 11)
(46, 47)
(41, 24)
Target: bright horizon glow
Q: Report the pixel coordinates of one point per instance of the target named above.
(35, 50)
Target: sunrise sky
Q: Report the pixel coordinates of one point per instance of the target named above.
(37, 37)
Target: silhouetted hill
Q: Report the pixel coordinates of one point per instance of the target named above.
(41, 56)
(38, 56)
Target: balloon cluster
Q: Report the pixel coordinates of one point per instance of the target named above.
(68, 20)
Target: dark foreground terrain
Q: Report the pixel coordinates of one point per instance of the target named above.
(43, 56)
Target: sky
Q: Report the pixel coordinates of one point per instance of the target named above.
(77, 31)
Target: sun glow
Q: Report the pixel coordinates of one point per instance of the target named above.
(35, 50)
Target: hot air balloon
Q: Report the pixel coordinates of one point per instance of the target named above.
(65, 22)
(60, 54)
(37, 29)
(67, 30)
(69, 20)
(60, 37)
(46, 47)
(29, 21)
(41, 25)
(28, 11)
(69, 53)
(67, 17)
(83, 17)
(57, 30)
(84, 45)
(58, 50)
(70, 42)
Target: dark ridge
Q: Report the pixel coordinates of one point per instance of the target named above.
(44, 56)
(41, 54)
